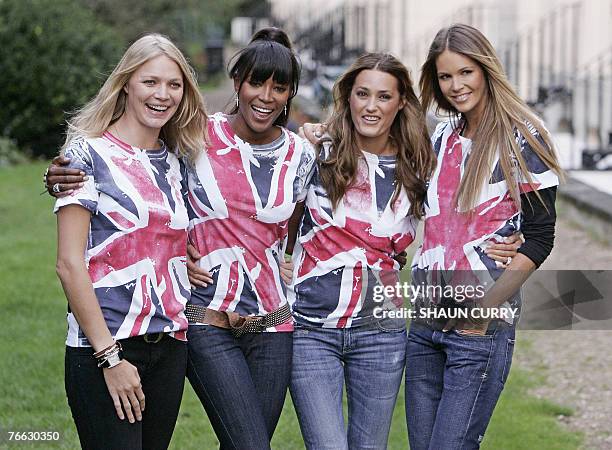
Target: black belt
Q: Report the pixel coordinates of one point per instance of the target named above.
(150, 338)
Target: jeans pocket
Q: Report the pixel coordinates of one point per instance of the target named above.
(507, 360)
(467, 360)
(300, 331)
(196, 330)
(202, 336)
(391, 325)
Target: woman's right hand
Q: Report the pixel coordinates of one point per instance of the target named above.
(402, 259)
(197, 275)
(286, 271)
(313, 132)
(67, 180)
(123, 383)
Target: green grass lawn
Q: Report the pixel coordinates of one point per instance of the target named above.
(32, 346)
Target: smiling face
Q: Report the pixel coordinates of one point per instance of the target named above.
(154, 93)
(462, 83)
(260, 104)
(374, 101)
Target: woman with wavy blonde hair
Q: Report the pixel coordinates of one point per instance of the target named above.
(361, 211)
(185, 131)
(122, 238)
(496, 175)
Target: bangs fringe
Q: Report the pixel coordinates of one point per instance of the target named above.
(262, 60)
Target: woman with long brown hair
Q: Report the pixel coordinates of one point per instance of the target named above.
(496, 175)
(361, 211)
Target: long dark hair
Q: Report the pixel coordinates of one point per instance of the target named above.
(269, 53)
(415, 157)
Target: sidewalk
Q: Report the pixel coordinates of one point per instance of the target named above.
(586, 200)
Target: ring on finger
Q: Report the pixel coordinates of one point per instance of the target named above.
(509, 260)
(56, 188)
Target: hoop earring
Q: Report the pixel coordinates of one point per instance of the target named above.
(285, 109)
(237, 101)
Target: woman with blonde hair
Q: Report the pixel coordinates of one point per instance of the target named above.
(122, 248)
(496, 175)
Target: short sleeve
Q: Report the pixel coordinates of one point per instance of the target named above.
(79, 153)
(542, 176)
(306, 168)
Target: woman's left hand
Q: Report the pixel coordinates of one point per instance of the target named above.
(61, 181)
(503, 253)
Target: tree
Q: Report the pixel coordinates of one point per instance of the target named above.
(187, 22)
(53, 57)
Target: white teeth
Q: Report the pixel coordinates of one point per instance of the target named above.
(461, 98)
(158, 108)
(262, 110)
(370, 118)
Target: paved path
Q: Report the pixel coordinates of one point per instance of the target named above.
(578, 364)
(599, 179)
(216, 100)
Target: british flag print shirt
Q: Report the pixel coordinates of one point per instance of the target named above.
(136, 248)
(343, 255)
(242, 197)
(454, 242)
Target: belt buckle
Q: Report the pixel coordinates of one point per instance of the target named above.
(255, 325)
(153, 338)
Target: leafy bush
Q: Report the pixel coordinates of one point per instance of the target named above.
(53, 57)
(9, 153)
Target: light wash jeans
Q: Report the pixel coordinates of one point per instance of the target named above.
(369, 360)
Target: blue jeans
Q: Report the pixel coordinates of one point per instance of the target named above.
(161, 367)
(453, 382)
(370, 360)
(241, 382)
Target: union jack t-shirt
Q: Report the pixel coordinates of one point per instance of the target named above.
(343, 255)
(454, 242)
(136, 248)
(242, 197)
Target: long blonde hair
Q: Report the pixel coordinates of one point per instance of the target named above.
(415, 158)
(504, 113)
(184, 133)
